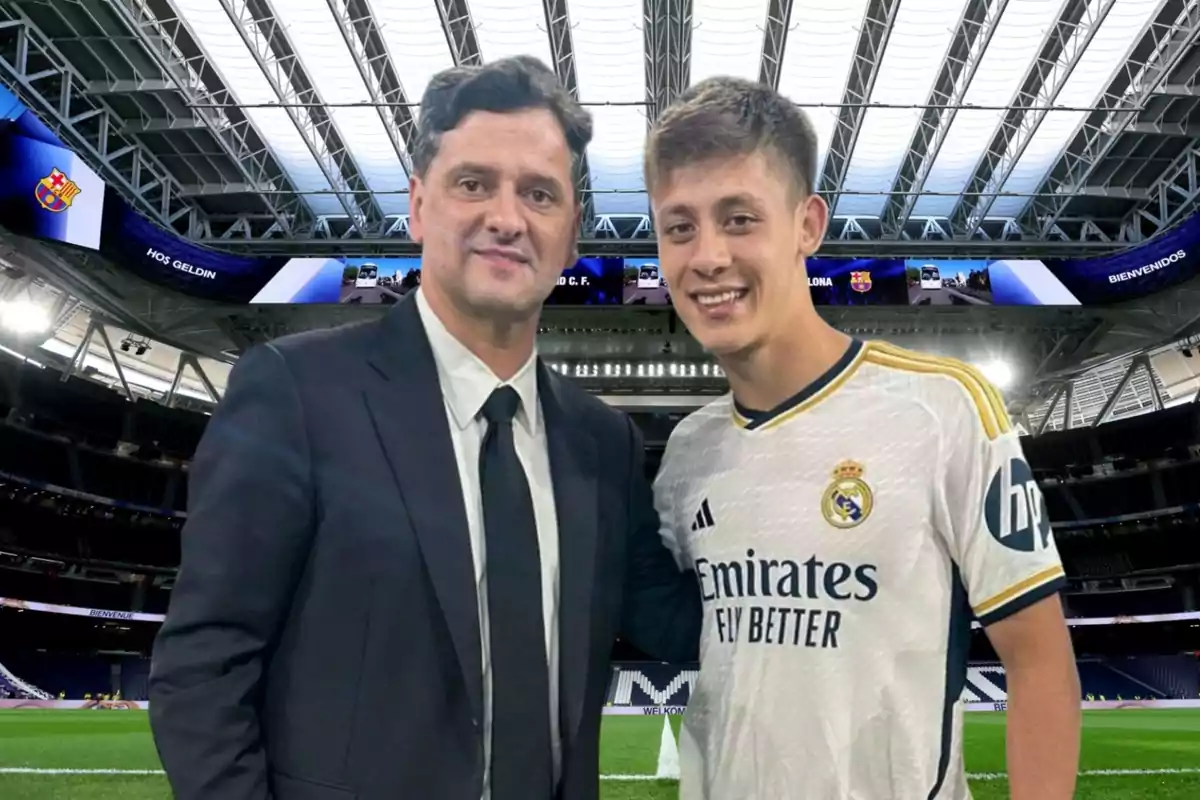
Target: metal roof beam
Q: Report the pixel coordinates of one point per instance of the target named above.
(1172, 198)
(361, 33)
(971, 38)
(868, 55)
(1188, 130)
(44, 79)
(168, 40)
(668, 49)
(149, 89)
(779, 14)
(267, 41)
(131, 86)
(74, 272)
(401, 247)
(1061, 50)
(1178, 90)
(163, 125)
(1111, 403)
(1113, 192)
(562, 51)
(460, 32)
(1162, 48)
(222, 189)
(631, 228)
(630, 235)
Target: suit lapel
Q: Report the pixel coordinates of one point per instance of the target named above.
(574, 471)
(409, 414)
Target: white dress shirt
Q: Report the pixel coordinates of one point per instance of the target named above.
(466, 384)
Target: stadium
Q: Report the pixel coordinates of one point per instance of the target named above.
(1013, 183)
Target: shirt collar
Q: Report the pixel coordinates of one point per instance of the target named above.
(467, 382)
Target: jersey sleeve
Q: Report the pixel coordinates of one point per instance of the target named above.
(993, 510)
(665, 487)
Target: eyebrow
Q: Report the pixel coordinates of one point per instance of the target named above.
(470, 167)
(724, 205)
(729, 202)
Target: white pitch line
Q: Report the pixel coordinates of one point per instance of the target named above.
(39, 771)
(1091, 773)
(975, 776)
(45, 771)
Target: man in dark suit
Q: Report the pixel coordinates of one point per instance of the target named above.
(410, 546)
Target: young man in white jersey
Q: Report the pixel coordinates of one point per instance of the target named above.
(849, 508)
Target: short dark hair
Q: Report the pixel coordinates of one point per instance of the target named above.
(722, 117)
(509, 84)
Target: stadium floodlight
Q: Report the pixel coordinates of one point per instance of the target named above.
(1000, 373)
(24, 317)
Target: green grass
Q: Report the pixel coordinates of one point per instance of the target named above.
(120, 740)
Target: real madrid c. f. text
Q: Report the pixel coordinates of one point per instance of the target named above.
(804, 587)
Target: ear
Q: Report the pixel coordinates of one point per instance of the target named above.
(812, 220)
(573, 254)
(416, 202)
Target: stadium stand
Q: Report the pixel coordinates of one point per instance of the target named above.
(93, 496)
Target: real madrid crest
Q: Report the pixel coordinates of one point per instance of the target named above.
(848, 500)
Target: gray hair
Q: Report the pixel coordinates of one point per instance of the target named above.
(509, 84)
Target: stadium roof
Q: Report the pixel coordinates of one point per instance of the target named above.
(939, 119)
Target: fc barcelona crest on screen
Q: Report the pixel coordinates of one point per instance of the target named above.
(56, 191)
(860, 281)
(848, 500)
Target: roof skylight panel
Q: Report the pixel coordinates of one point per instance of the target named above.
(920, 37)
(1120, 31)
(1014, 45)
(727, 38)
(511, 28)
(416, 43)
(817, 55)
(216, 34)
(329, 65)
(609, 39)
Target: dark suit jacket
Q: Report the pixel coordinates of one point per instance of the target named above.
(322, 641)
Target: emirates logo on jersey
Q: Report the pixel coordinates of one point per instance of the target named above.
(792, 619)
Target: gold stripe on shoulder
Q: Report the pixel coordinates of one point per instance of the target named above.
(998, 405)
(988, 403)
(1017, 589)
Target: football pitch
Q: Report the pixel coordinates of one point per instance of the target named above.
(109, 755)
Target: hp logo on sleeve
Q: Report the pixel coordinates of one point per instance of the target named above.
(1014, 509)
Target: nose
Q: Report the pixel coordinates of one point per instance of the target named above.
(504, 217)
(710, 255)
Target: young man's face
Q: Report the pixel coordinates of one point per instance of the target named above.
(732, 239)
(496, 213)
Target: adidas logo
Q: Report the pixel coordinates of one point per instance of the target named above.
(704, 517)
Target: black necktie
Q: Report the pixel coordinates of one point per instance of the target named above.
(521, 766)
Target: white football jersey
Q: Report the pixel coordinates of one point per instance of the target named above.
(843, 543)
